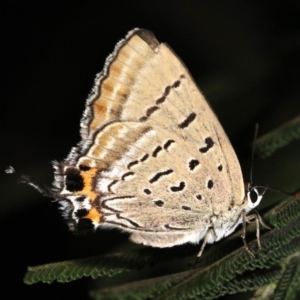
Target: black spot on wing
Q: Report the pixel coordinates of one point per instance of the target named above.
(144, 157)
(132, 164)
(162, 99)
(156, 151)
(167, 91)
(193, 163)
(80, 199)
(84, 168)
(178, 188)
(189, 119)
(151, 110)
(147, 191)
(111, 184)
(84, 225)
(126, 175)
(210, 184)
(158, 175)
(168, 143)
(209, 144)
(159, 203)
(143, 119)
(79, 213)
(185, 207)
(74, 182)
(176, 84)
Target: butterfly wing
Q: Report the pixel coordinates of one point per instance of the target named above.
(165, 164)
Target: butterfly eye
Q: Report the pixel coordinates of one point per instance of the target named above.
(253, 195)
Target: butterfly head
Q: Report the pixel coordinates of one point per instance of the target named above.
(253, 196)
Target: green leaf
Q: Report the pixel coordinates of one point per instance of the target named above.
(289, 284)
(278, 138)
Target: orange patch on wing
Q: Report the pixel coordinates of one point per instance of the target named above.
(100, 109)
(87, 184)
(94, 215)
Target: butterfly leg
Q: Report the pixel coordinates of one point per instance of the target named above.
(247, 219)
(210, 231)
(258, 220)
(262, 222)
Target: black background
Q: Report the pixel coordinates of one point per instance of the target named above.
(243, 55)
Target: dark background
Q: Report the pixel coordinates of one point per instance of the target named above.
(244, 56)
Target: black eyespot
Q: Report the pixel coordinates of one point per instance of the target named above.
(80, 199)
(84, 225)
(81, 212)
(84, 168)
(253, 195)
(74, 182)
(71, 171)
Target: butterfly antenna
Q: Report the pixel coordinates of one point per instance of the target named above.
(44, 190)
(252, 154)
(251, 170)
(295, 194)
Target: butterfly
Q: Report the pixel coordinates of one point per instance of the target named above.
(153, 159)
